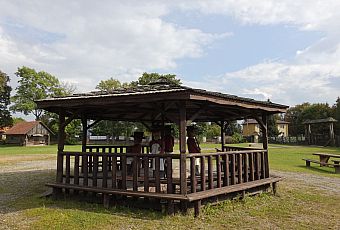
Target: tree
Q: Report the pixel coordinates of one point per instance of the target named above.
(17, 120)
(109, 84)
(273, 131)
(35, 86)
(148, 78)
(298, 114)
(337, 115)
(5, 91)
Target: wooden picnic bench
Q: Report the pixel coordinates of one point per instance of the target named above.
(324, 158)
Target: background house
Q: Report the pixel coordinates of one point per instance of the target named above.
(251, 129)
(28, 133)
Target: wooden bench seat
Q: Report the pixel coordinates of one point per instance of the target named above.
(335, 165)
(120, 192)
(230, 189)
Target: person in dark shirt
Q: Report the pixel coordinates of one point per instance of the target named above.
(193, 146)
(135, 148)
(169, 141)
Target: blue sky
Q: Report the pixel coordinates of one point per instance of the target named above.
(287, 51)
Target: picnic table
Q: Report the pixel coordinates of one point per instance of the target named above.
(324, 158)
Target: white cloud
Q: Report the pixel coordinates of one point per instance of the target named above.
(86, 41)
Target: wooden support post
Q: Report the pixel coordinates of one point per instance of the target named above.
(197, 207)
(264, 128)
(61, 142)
(182, 148)
(274, 188)
(223, 124)
(84, 134)
(106, 200)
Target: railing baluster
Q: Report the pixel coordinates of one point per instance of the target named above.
(262, 165)
(266, 161)
(218, 167)
(233, 174)
(90, 162)
(203, 173)
(157, 174)
(169, 175)
(245, 168)
(86, 171)
(114, 171)
(239, 168)
(226, 170)
(104, 167)
(146, 173)
(210, 173)
(76, 170)
(124, 172)
(251, 166)
(134, 174)
(95, 170)
(192, 174)
(68, 169)
(257, 169)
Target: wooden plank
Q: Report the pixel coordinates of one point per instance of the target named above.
(146, 173)
(85, 172)
(90, 164)
(105, 170)
(76, 170)
(124, 172)
(257, 168)
(68, 169)
(192, 174)
(121, 192)
(114, 172)
(210, 173)
(218, 166)
(232, 188)
(262, 165)
(61, 141)
(134, 173)
(251, 167)
(239, 168)
(266, 162)
(203, 186)
(226, 170)
(157, 174)
(95, 171)
(233, 169)
(169, 175)
(245, 168)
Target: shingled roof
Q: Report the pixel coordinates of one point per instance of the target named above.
(137, 103)
(24, 127)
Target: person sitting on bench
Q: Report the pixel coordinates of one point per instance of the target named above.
(156, 147)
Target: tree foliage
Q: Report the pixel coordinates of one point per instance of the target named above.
(273, 131)
(109, 84)
(148, 78)
(298, 114)
(5, 91)
(35, 86)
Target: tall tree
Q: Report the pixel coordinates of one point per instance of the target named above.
(35, 86)
(5, 91)
(273, 131)
(337, 115)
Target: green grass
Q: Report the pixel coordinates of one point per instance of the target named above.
(297, 206)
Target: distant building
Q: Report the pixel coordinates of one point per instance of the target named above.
(2, 132)
(28, 133)
(252, 129)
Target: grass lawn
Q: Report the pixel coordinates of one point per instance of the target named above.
(299, 204)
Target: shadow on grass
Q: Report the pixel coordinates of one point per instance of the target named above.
(23, 191)
(322, 170)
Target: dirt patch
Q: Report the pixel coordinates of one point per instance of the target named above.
(328, 185)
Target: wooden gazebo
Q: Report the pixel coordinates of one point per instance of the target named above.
(320, 139)
(102, 170)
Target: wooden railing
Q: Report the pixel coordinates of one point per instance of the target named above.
(113, 148)
(234, 148)
(110, 170)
